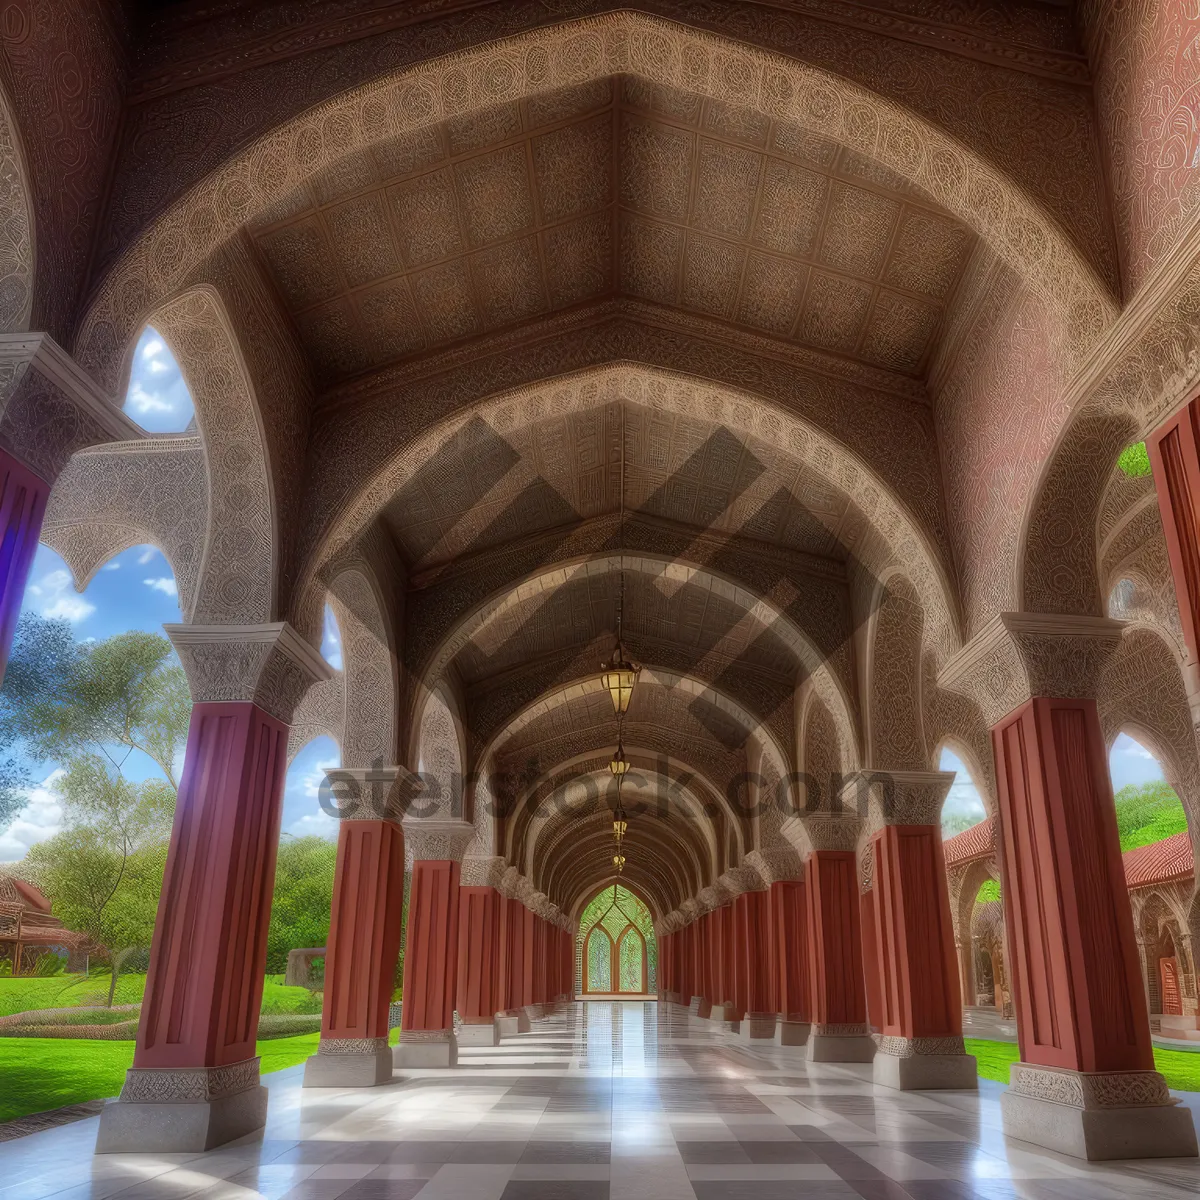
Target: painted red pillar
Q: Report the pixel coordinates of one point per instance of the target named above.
(479, 952)
(540, 995)
(919, 1004)
(729, 957)
(666, 971)
(23, 496)
(512, 940)
(839, 1010)
(1081, 1009)
(431, 950)
(872, 953)
(360, 960)
(789, 932)
(752, 914)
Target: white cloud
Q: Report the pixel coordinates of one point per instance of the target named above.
(112, 566)
(141, 402)
(331, 641)
(166, 586)
(41, 818)
(318, 824)
(146, 556)
(54, 597)
(153, 349)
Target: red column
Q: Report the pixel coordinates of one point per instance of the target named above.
(1073, 963)
(790, 933)
(23, 496)
(734, 1011)
(431, 952)
(872, 953)
(479, 953)
(360, 959)
(921, 1008)
(540, 994)
(839, 1010)
(666, 943)
(752, 913)
(528, 920)
(512, 942)
(199, 1017)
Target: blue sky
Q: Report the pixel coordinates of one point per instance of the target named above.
(158, 398)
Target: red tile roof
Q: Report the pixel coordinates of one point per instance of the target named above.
(1160, 862)
(977, 842)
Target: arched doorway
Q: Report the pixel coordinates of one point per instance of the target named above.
(616, 939)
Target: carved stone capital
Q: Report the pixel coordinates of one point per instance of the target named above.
(431, 839)
(270, 665)
(901, 797)
(483, 872)
(775, 864)
(822, 831)
(50, 408)
(371, 793)
(1018, 656)
(1085, 1089)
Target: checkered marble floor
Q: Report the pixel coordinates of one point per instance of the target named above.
(606, 1101)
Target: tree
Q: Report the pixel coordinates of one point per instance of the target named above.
(303, 898)
(62, 700)
(104, 871)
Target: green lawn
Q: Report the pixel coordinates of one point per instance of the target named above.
(45, 1073)
(67, 991)
(1180, 1068)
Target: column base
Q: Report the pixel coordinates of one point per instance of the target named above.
(534, 1012)
(349, 1062)
(510, 1024)
(1094, 1116)
(478, 1035)
(792, 1033)
(840, 1043)
(699, 1007)
(925, 1065)
(423, 1048)
(758, 1027)
(183, 1110)
(1182, 1028)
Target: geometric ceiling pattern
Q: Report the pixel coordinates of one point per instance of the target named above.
(617, 187)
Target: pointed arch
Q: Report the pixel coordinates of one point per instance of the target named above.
(17, 231)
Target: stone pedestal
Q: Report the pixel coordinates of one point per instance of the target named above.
(792, 1033)
(758, 1027)
(1096, 1115)
(424, 1048)
(510, 1024)
(164, 1111)
(478, 1035)
(851, 1043)
(1182, 1028)
(699, 1007)
(925, 1065)
(349, 1062)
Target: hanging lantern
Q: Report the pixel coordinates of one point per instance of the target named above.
(617, 679)
(620, 826)
(619, 862)
(619, 764)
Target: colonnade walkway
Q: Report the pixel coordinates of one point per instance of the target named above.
(603, 1101)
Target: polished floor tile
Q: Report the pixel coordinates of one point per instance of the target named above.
(604, 1101)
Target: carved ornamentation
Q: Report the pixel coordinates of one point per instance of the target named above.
(904, 1047)
(188, 1085)
(1080, 1089)
(336, 1045)
(433, 839)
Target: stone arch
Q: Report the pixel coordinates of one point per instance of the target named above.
(823, 679)
(369, 668)
(824, 758)
(439, 755)
(744, 413)
(1141, 691)
(969, 755)
(238, 576)
(895, 736)
(576, 51)
(18, 249)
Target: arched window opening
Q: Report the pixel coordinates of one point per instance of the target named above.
(158, 398)
(1148, 810)
(1121, 600)
(618, 950)
(1134, 460)
(964, 805)
(331, 640)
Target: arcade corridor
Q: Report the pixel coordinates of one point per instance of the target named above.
(606, 1101)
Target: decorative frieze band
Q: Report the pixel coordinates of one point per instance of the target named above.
(426, 1035)
(188, 1085)
(270, 665)
(348, 1046)
(903, 1047)
(775, 864)
(822, 831)
(484, 872)
(1082, 1089)
(844, 1029)
(1018, 656)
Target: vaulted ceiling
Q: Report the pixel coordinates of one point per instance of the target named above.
(618, 187)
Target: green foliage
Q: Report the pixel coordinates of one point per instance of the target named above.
(303, 898)
(1134, 460)
(1147, 813)
(955, 823)
(613, 908)
(288, 1001)
(48, 966)
(66, 700)
(989, 890)
(1181, 1068)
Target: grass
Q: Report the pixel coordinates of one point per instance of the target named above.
(45, 1073)
(1134, 460)
(1180, 1068)
(66, 991)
